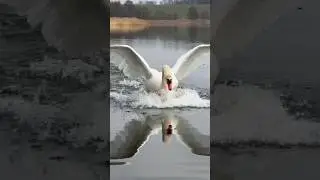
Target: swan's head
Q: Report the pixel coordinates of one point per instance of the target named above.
(167, 131)
(167, 76)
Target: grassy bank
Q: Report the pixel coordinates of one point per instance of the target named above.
(127, 25)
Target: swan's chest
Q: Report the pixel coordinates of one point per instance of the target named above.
(154, 83)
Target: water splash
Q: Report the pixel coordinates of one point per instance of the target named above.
(179, 98)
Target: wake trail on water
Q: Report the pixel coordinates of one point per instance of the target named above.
(181, 98)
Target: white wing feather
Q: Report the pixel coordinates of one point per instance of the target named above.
(133, 64)
(190, 61)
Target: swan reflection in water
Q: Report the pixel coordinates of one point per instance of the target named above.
(136, 133)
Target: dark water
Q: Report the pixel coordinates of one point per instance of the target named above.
(52, 113)
(266, 124)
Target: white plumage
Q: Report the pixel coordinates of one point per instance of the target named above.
(135, 66)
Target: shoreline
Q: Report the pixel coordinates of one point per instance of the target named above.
(180, 23)
(127, 25)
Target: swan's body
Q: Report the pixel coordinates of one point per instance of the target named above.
(155, 82)
(135, 66)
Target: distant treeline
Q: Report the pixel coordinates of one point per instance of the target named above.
(164, 12)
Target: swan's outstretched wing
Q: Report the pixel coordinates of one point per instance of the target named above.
(190, 61)
(199, 143)
(128, 141)
(79, 27)
(133, 64)
(235, 23)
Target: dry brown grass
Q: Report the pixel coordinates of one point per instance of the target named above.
(127, 25)
(180, 23)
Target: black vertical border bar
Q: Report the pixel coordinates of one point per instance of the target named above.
(212, 58)
(107, 90)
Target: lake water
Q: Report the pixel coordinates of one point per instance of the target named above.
(265, 123)
(53, 114)
(137, 118)
(266, 101)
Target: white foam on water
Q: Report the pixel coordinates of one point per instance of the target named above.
(131, 83)
(179, 98)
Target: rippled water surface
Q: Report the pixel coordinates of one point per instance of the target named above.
(52, 108)
(53, 111)
(266, 120)
(139, 119)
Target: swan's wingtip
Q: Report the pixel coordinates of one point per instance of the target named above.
(202, 46)
(120, 45)
(205, 45)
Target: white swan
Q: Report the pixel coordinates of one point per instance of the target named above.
(134, 65)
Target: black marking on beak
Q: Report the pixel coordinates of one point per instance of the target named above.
(169, 81)
(169, 130)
